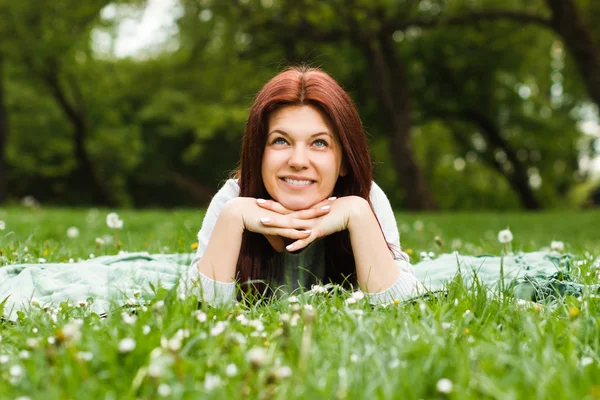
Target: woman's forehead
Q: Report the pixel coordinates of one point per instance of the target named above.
(299, 120)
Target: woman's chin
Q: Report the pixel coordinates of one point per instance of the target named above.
(297, 205)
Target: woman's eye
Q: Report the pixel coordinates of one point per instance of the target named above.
(279, 141)
(320, 143)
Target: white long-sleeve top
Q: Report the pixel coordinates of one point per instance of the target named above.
(213, 292)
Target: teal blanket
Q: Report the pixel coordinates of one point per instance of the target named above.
(117, 278)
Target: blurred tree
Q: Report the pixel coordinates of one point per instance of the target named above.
(46, 39)
(3, 132)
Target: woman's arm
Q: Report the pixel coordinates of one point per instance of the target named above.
(376, 268)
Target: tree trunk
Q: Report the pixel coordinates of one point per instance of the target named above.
(391, 91)
(3, 134)
(78, 121)
(568, 23)
(518, 179)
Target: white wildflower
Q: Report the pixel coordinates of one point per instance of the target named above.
(444, 385)
(557, 245)
(2, 225)
(256, 356)
(126, 345)
(29, 201)
(218, 328)
(318, 289)
(358, 295)
(82, 303)
(257, 325)
(309, 307)
(128, 319)
(211, 381)
(85, 356)
(4, 359)
(72, 330)
(164, 390)
(73, 232)
(146, 329)
(419, 225)
(231, 370)
(294, 320)
(283, 372)
(24, 354)
(113, 221)
(41, 260)
(351, 300)
(200, 316)
(159, 305)
(585, 361)
(446, 325)
(354, 357)
(15, 371)
(505, 236)
(292, 299)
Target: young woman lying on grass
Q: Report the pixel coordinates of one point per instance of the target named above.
(303, 208)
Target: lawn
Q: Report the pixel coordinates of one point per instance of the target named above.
(468, 343)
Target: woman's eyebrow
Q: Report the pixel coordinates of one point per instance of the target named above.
(284, 133)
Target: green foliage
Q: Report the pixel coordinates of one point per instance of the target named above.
(488, 344)
(180, 110)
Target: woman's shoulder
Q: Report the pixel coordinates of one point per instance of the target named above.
(376, 194)
(229, 190)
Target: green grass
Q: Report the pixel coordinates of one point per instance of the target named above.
(486, 343)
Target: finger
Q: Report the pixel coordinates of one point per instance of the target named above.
(311, 213)
(273, 206)
(285, 222)
(301, 243)
(290, 233)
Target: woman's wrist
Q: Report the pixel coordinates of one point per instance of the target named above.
(233, 212)
(359, 212)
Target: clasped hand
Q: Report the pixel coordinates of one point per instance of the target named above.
(280, 225)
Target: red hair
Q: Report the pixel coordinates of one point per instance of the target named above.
(257, 262)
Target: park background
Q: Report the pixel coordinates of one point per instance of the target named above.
(468, 104)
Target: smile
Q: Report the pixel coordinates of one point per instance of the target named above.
(297, 183)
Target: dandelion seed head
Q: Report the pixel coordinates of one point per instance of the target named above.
(256, 356)
(444, 385)
(126, 345)
(212, 381)
(73, 232)
(505, 236)
(113, 221)
(164, 390)
(557, 245)
(231, 370)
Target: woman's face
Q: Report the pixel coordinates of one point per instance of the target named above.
(302, 158)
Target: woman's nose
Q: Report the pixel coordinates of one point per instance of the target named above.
(298, 158)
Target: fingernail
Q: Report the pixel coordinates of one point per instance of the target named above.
(289, 247)
(261, 201)
(306, 231)
(332, 198)
(325, 207)
(264, 219)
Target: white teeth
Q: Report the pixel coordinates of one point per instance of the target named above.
(295, 182)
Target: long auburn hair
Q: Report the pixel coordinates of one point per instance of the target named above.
(258, 261)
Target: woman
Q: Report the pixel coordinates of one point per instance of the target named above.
(303, 207)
